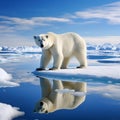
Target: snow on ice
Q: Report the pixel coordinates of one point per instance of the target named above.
(5, 79)
(7, 112)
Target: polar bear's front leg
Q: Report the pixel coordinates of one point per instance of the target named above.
(57, 61)
(45, 58)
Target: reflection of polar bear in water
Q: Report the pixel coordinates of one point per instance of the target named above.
(62, 47)
(52, 100)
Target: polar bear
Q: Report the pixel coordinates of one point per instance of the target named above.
(61, 47)
(60, 95)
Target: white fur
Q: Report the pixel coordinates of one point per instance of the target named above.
(62, 47)
(52, 100)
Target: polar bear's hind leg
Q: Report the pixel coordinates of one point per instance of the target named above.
(82, 60)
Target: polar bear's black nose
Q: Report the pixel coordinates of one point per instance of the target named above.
(42, 46)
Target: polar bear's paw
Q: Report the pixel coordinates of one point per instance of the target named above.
(81, 66)
(53, 68)
(39, 69)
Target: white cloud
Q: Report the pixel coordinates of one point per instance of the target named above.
(15, 23)
(33, 20)
(10, 26)
(109, 12)
(50, 19)
(7, 112)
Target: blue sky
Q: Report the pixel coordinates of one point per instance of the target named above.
(97, 21)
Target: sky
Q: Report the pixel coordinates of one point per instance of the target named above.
(97, 21)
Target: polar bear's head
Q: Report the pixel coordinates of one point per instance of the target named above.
(45, 41)
(41, 107)
(44, 106)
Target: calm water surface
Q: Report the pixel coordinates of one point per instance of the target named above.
(101, 102)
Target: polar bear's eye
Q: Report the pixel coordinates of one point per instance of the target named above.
(46, 36)
(42, 39)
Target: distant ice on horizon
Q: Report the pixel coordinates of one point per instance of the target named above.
(32, 49)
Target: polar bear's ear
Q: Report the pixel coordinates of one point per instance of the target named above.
(46, 36)
(34, 37)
